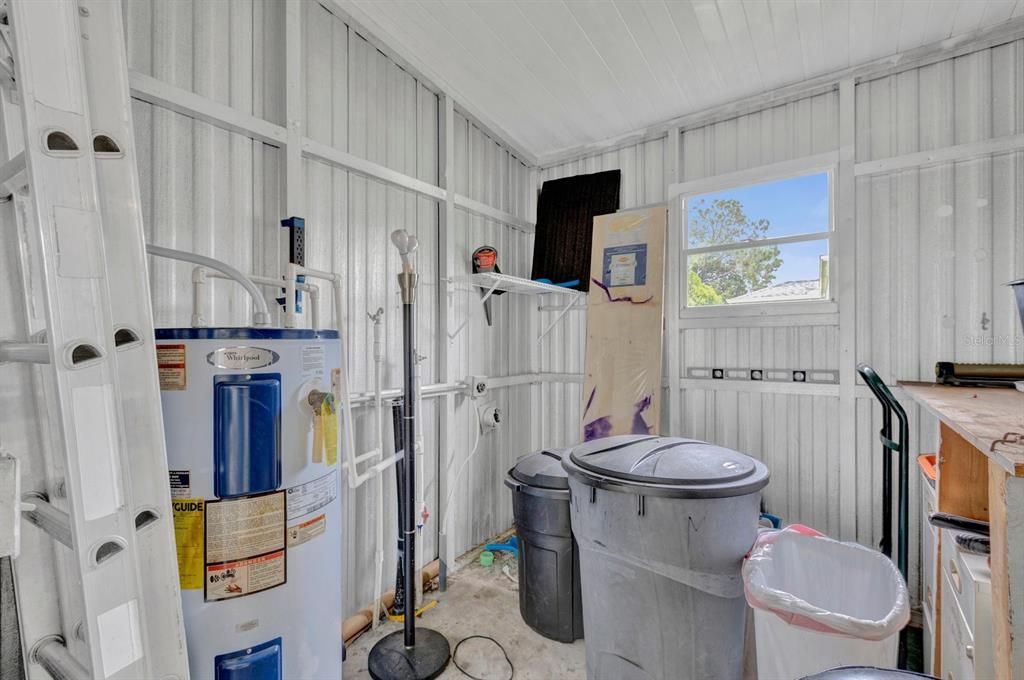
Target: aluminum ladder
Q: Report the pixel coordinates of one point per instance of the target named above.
(96, 579)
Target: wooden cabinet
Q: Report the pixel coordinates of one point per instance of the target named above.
(981, 476)
(956, 587)
(966, 615)
(929, 571)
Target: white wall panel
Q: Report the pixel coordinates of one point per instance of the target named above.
(934, 247)
(486, 171)
(802, 128)
(221, 194)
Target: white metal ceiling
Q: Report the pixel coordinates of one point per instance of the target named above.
(558, 74)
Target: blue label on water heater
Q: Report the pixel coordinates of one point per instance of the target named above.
(247, 434)
(261, 662)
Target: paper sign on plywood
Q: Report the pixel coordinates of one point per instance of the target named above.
(625, 314)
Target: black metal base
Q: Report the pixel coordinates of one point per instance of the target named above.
(390, 659)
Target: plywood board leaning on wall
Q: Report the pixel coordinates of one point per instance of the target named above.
(625, 313)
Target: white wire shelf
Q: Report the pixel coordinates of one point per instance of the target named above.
(489, 282)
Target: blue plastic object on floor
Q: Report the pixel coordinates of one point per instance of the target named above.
(511, 545)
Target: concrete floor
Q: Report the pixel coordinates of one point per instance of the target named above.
(483, 601)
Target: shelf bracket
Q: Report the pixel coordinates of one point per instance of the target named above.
(490, 291)
(565, 310)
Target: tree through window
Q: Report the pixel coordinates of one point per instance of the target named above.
(766, 242)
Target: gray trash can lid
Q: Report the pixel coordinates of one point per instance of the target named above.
(667, 466)
(542, 469)
(865, 673)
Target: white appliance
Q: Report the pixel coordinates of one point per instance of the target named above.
(252, 447)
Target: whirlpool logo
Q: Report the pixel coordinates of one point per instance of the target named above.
(242, 358)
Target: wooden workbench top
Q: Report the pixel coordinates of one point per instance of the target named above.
(981, 415)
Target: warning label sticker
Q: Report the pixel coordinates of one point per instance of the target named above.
(306, 531)
(313, 360)
(245, 541)
(170, 363)
(181, 486)
(244, 577)
(188, 537)
(311, 496)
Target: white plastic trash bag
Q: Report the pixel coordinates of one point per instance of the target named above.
(821, 603)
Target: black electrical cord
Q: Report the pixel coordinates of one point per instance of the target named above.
(511, 668)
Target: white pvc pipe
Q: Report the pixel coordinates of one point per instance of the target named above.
(28, 352)
(260, 316)
(314, 303)
(434, 390)
(199, 297)
(378, 363)
(348, 425)
(201, 274)
(291, 318)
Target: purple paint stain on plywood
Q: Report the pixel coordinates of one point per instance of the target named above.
(599, 428)
(640, 426)
(590, 401)
(624, 298)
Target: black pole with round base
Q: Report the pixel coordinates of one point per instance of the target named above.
(409, 654)
(390, 659)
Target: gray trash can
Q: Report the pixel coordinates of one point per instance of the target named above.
(663, 525)
(549, 567)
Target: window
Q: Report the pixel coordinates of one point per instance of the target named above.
(759, 243)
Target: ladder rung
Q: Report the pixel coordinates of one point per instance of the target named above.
(52, 654)
(12, 173)
(44, 515)
(25, 352)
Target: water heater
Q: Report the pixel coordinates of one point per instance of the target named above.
(252, 447)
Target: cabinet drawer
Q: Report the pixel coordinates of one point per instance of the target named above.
(928, 643)
(957, 643)
(929, 549)
(969, 576)
(929, 499)
(929, 544)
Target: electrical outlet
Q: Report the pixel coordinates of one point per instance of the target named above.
(477, 386)
(490, 417)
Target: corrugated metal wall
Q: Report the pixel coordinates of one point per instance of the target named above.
(933, 248)
(795, 433)
(936, 245)
(221, 194)
(487, 172)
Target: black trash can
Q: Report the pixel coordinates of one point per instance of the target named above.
(549, 563)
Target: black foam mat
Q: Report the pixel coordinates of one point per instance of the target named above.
(565, 224)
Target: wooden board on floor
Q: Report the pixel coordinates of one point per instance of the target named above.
(625, 316)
